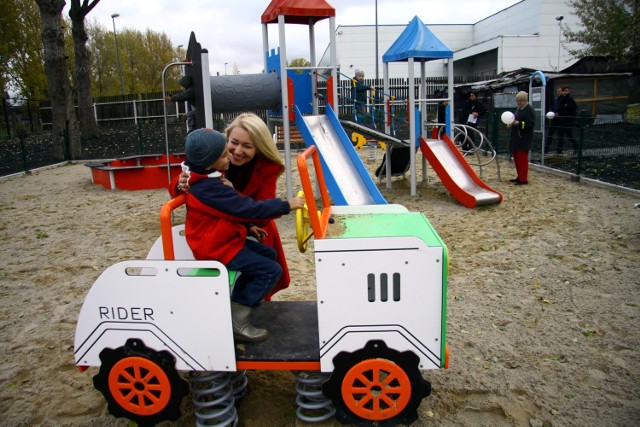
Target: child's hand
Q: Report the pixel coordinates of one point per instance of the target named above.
(296, 203)
(258, 233)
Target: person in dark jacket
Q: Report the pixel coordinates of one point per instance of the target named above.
(472, 112)
(359, 93)
(553, 124)
(442, 116)
(218, 221)
(521, 136)
(567, 111)
(188, 95)
(255, 168)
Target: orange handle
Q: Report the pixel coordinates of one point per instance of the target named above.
(166, 225)
(318, 224)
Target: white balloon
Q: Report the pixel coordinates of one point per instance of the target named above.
(551, 115)
(507, 117)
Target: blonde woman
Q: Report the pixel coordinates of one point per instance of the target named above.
(255, 168)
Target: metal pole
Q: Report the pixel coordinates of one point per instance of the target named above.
(115, 37)
(559, 19)
(377, 75)
(225, 68)
(164, 115)
(284, 89)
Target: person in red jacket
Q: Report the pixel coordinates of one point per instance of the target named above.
(254, 171)
(218, 221)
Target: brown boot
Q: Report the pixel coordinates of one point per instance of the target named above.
(243, 330)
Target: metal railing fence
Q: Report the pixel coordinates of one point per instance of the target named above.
(607, 150)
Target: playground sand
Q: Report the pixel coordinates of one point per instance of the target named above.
(543, 301)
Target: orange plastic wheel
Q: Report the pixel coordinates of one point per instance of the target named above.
(376, 384)
(376, 389)
(140, 383)
(139, 386)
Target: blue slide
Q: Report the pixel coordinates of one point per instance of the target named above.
(348, 180)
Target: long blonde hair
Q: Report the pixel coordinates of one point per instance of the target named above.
(259, 134)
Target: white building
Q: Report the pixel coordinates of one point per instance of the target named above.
(526, 34)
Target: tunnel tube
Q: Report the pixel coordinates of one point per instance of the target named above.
(245, 92)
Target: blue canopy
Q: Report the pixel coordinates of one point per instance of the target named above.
(418, 42)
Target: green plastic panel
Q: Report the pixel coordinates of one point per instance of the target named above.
(390, 225)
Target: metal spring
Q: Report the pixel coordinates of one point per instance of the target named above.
(239, 382)
(214, 400)
(371, 152)
(313, 406)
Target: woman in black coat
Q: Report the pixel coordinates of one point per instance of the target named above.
(521, 136)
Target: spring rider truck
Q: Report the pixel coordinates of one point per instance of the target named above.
(378, 321)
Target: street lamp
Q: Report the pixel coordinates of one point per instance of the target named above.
(225, 68)
(181, 57)
(113, 18)
(376, 41)
(559, 19)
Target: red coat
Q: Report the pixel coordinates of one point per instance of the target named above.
(218, 216)
(261, 185)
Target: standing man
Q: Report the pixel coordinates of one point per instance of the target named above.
(567, 111)
(472, 111)
(188, 95)
(553, 123)
(442, 116)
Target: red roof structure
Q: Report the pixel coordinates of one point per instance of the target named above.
(297, 11)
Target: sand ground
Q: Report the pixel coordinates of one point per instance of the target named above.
(543, 301)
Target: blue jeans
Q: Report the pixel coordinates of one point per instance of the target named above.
(260, 272)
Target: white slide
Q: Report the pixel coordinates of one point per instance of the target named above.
(348, 180)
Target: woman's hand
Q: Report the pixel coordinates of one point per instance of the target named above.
(226, 182)
(183, 182)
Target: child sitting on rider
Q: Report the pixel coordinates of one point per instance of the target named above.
(219, 221)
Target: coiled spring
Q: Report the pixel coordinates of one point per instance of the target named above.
(313, 406)
(371, 151)
(213, 398)
(239, 382)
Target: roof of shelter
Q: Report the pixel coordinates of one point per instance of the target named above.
(297, 11)
(418, 42)
(523, 75)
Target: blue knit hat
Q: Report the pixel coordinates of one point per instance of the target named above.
(204, 146)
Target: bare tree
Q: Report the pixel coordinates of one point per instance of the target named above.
(82, 73)
(62, 106)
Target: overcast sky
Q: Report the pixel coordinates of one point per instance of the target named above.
(232, 32)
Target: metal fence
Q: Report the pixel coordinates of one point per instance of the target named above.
(608, 151)
(607, 148)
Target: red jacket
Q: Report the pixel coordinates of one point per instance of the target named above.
(260, 185)
(217, 217)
